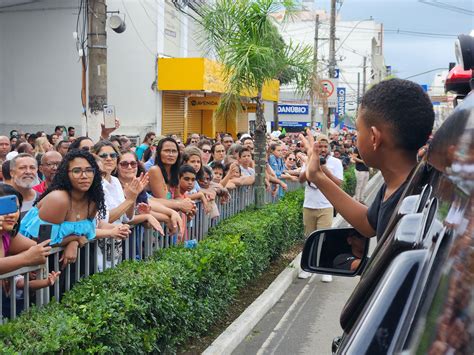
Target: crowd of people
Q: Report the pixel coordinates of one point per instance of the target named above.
(89, 190)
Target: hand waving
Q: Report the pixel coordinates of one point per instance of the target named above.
(313, 168)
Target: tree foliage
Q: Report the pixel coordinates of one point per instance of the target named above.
(243, 36)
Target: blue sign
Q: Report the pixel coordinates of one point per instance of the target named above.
(285, 109)
(425, 87)
(336, 73)
(341, 102)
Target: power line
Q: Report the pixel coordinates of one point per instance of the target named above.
(426, 72)
(136, 31)
(448, 7)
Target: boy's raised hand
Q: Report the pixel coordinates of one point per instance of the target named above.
(312, 150)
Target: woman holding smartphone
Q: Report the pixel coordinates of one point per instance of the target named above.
(16, 251)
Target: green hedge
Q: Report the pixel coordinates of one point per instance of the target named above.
(349, 184)
(156, 305)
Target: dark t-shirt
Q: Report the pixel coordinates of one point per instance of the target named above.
(359, 166)
(380, 211)
(344, 261)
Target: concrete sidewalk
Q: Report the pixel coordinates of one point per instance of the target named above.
(233, 337)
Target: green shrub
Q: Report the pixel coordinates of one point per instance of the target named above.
(157, 304)
(349, 184)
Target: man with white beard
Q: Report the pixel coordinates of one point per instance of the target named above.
(24, 169)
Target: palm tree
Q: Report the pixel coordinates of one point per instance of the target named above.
(244, 38)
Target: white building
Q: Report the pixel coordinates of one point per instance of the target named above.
(355, 40)
(40, 71)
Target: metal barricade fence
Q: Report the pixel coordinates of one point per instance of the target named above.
(141, 244)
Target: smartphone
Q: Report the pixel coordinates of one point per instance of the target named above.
(109, 116)
(44, 232)
(8, 204)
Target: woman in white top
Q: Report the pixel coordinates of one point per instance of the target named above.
(120, 202)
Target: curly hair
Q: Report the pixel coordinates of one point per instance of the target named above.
(62, 182)
(405, 107)
(172, 180)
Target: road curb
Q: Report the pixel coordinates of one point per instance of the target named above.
(235, 333)
(243, 325)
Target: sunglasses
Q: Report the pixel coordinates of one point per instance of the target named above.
(291, 159)
(107, 155)
(206, 150)
(124, 164)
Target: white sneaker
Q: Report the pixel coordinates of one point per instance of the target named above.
(326, 278)
(304, 275)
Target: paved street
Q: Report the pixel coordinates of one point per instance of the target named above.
(304, 321)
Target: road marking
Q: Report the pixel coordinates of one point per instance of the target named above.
(285, 317)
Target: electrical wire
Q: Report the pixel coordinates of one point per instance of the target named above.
(136, 31)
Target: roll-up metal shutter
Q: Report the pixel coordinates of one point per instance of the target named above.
(173, 113)
(243, 122)
(194, 122)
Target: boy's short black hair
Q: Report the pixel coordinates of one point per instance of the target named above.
(206, 170)
(218, 165)
(405, 107)
(186, 169)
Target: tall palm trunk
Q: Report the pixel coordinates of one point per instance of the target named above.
(260, 152)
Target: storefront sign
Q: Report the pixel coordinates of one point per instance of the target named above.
(285, 109)
(203, 103)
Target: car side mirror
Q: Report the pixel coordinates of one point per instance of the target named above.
(340, 251)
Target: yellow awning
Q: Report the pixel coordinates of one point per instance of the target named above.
(201, 74)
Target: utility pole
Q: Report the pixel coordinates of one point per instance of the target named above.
(314, 83)
(97, 54)
(332, 58)
(364, 75)
(358, 92)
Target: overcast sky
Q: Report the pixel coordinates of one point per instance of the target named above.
(410, 55)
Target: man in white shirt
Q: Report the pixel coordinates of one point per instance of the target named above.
(317, 210)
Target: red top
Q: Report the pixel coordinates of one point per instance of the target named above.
(41, 187)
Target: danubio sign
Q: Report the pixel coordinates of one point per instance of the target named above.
(293, 109)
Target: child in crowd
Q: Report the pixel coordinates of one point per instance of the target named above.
(217, 172)
(187, 179)
(245, 162)
(192, 157)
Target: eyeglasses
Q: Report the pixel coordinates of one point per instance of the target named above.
(86, 149)
(193, 142)
(170, 151)
(206, 151)
(107, 155)
(124, 164)
(53, 164)
(78, 172)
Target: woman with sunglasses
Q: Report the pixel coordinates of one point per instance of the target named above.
(205, 147)
(120, 202)
(291, 171)
(69, 205)
(148, 211)
(164, 177)
(84, 143)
